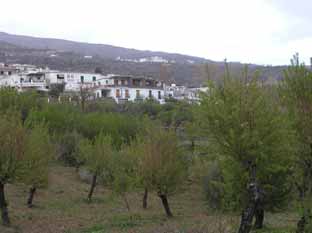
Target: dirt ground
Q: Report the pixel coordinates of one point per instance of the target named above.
(62, 208)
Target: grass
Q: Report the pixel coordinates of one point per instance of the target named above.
(62, 208)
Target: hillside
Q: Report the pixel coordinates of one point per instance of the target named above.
(77, 56)
(100, 50)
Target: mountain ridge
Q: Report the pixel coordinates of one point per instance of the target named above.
(94, 49)
(69, 55)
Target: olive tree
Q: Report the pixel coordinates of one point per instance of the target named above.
(251, 139)
(162, 166)
(96, 156)
(124, 171)
(38, 154)
(12, 151)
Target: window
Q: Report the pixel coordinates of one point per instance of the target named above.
(117, 93)
(94, 78)
(127, 94)
(60, 76)
(2, 72)
(137, 94)
(82, 79)
(159, 95)
(106, 81)
(150, 94)
(122, 82)
(10, 72)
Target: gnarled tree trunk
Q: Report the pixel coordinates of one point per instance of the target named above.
(254, 206)
(145, 198)
(126, 202)
(165, 203)
(93, 184)
(4, 207)
(259, 214)
(32, 192)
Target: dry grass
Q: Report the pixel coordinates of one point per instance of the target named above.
(62, 209)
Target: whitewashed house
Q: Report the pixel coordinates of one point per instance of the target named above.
(11, 76)
(128, 88)
(73, 80)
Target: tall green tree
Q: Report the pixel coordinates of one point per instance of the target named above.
(296, 92)
(251, 139)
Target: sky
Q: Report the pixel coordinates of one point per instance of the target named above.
(264, 32)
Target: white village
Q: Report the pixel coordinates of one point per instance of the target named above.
(120, 88)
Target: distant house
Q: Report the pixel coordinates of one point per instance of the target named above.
(189, 94)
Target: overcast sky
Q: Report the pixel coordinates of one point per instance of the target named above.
(252, 31)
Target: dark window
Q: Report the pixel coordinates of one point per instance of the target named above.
(60, 76)
(10, 72)
(127, 94)
(81, 79)
(150, 94)
(94, 78)
(159, 94)
(2, 72)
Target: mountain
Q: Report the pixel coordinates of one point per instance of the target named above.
(86, 57)
(100, 50)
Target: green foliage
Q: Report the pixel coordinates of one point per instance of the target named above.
(59, 118)
(296, 92)
(121, 128)
(21, 103)
(103, 106)
(125, 170)
(12, 149)
(162, 165)
(68, 148)
(244, 126)
(175, 114)
(97, 155)
(38, 153)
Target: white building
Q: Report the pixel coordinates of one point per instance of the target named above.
(73, 80)
(129, 88)
(118, 87)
